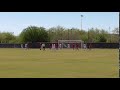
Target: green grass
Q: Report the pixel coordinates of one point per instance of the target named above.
(33, 63)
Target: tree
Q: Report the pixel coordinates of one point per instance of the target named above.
(115, 35)
(116, 31)
(34, 34)
(56, 33)
(16, 40)
(6, 37)
(40, 34)
(102, 38)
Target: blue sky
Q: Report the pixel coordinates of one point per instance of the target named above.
(17, 21)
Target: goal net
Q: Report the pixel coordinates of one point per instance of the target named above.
(70, 43)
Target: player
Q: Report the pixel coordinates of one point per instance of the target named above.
(53, 46)
(40, 46)
(68, 45)
(50, 45)
(60, 46)
(26, 46)
(21, 45)
(77, 46)
(90, 46)
(57, 46)
(73, 46)
(43, 46)
(84, 46)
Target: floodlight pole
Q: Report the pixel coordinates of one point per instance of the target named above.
(88, 39)
(49, 35)
(110, 35)
(81, 21)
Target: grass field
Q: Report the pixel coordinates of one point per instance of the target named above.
(33, 63)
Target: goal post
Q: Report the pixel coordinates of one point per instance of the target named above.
(70, 43)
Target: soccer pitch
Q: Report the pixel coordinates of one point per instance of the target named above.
(35, 63)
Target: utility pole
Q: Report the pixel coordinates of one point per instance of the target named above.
(68, 34)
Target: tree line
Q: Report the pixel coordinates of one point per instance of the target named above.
(41, 34)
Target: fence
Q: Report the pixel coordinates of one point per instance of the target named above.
(48, 45)
(104, 45)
